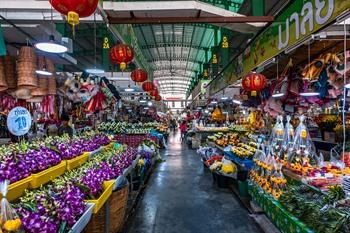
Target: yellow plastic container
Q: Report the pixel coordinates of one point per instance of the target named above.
(16, 189)
(47, 175)
(77, 161)
(107, 187)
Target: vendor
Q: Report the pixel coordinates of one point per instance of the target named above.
(65, 128)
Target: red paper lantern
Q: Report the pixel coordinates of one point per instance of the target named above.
(121, 54)
(153, 92)
(74, 9)
(158, 98)
(148, 86)
(254, 82)
(139, 75)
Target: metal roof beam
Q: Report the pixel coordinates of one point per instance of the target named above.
(185, 20)
(174, 44)
(175, 58)
(144, 39)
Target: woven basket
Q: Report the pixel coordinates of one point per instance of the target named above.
(43, 81)
(10, 72)
(118, 202)
(98, 221)
(26, 67)
(51, 85)
(26, 53)
(3, 83)
(41, 90)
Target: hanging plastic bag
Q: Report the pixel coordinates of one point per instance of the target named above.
(288, 137)
(276, 137)
(303, 144)
(9, 218)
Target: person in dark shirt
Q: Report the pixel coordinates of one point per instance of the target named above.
(65, 128)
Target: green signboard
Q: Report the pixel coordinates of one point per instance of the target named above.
(2, 43)
(299, 20)
(128, 36)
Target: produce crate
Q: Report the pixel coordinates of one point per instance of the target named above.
(77, 161)
(83, 220)
(16, 189)
(107, 187)
(117, 205)
(244, 163)
(284, 220)
(47, 175)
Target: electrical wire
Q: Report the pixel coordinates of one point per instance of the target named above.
(344, 93)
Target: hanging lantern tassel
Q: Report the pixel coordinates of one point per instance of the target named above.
(73, 19)
(122, 66)
(253, 93)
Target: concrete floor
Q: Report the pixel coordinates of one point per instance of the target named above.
(181, 198)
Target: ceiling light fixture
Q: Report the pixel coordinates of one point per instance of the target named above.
(347, 86)
(237, 102)
(41, 67)
(309, 94)
(51, 46)
(214, 102)
(43, 72)
(129, 89)
(150, 103)
(95, 71)
(143, 101)
(277, 94)
(224, 98)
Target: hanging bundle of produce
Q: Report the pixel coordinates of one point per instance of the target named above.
(288, 137)
(277, 134)
(304, 152)
(10, 222)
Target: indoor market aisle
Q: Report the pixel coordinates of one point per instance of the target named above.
(181, 197)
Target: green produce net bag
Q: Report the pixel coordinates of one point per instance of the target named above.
(9, 218)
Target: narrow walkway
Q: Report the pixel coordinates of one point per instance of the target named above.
(181, 198)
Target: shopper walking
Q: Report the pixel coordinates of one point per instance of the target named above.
(183, 130)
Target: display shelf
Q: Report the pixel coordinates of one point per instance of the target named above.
(83, 220)
(77, 161)
(15, 190)
(244, 163)
(47, 175)
(284, 220)
(107, 191)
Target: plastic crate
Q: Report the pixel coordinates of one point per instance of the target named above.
(16, 189)
(107, 187)
(47, 175)
(83, 220)
(77, 161)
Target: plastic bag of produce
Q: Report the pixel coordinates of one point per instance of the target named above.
(288, 137)
(303, 154)
(227, 166)
(9, 218)
(277, 134)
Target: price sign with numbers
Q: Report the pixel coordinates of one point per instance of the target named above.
(19, 121)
